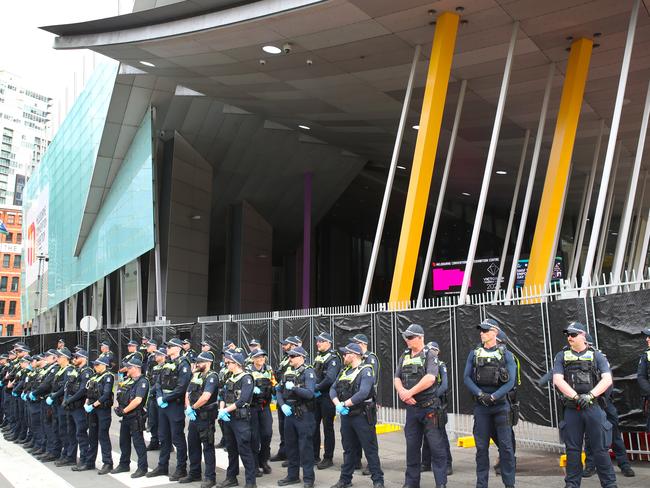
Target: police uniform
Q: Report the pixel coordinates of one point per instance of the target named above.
(299, 425)
(50, 424)
(643, 378)
(66, 430)
(201, 429)
(327, 366)
(490, 373)
(132, 424)
(21, 389)
(190, 353)
(422, 418)
(99, 388)
(110, 357)
(238, 391)
(582, 371)
(282, 452)
(175, 376)
(153, 375)
(34, 413)
(74, 397)
(357, 384)
(261, 418)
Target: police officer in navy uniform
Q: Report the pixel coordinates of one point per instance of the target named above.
(144, 348)
(131, 398)
(174, 378)
(582, 374)
(188, 351)
(60, 344)
(490, 373)
(441, 392)
(234, 410)
(34, 410)
(53, 442)
(287, 344)
(99, 401)
(253, 346)
(105, 352)
(207, 348)
(132, 348)
(74, 398)
(200, 409)
(643, 376)
(353, 394)
(261, 418)
(155, 362)
(296, 397)
(415, 382)
(327, 365)
(66, 430)
(223, 374)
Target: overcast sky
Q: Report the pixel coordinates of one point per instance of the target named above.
(27, 51)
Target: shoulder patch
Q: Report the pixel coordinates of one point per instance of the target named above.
(143, 385)
(109, 378)
(184, 370)
(211, 380)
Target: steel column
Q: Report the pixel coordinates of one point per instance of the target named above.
(601, 234)
(583, 205)
(306, 240)
(634, 242)
(496, 128)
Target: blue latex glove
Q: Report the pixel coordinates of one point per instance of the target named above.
(342, 409)
(23, 396)
(14, 394)
(317, 394)
(223, 415)
(1, 384)
(120, 377)
(190, 412)
(88, 408)
(289, 385)
(256, 390)
(286, 410)
(161, 403)
(49, 400)
(32, 397)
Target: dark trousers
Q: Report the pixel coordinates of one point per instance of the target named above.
(298, 433)
(152, 417)
(200, 440)
(591, 421)
(238, 444)
(262, 431)
(616, 441)
(36, 421)
(99, 423)
(130, 433)
(282, 451)
(493, 423)
(426, 452)
(358, 434)
(79, 423)
(422, 423)
(22, 413)
(324, 412)
(66, 432)
(171, 431)
(51, 428)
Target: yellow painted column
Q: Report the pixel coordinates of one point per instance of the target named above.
(433, 105)
(559, 163)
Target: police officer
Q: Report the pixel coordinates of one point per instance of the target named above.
(234, 410)
(131, 397)
(15, 381)
(74, 398)
(8, 401)
(327, 365)
(175, 376)
(287, 344)
(617, 443)
(3, 367)
(66, 430)
(200, 403)
(490, 373)
(188, 351)
(144, 348)
(105, 352)
(253, 346)
(132, 348)
(261, 418)
(34, 410)
(643, 376)
(22, 388)
(99, 400)
(441, 392)
(353, 394)
(223, 374)
(295, 398)
(207, 348)
(49, 414)
(582, 374)
(415, 379)
(155, 362)
(60, 344)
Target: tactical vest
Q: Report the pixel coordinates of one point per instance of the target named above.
(169, 374)
(59, 377)
(30, 381)
(197, 386)
(321, 360)
(232, 390)
(282, 367)
(125, 394)
(348, 384)
(376, 367)
(490, 366)
(297, 377)
(129, 356)
(264, 381)
(94, 389)
(48, 372)
(74, 384)
(444, 400)
(413, 369)
(580, 372)
(156, 370)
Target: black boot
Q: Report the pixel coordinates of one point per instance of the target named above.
(106, 468)
(158, 471)
(325, 463)
(266, 468)
(228, 482)
(139, 473)
(178, 474)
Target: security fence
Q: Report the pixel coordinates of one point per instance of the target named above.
(614, 315)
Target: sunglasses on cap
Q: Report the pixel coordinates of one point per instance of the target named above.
(572, 334)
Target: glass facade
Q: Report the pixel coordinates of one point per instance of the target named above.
(55, 197)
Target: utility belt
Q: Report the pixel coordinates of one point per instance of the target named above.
(137, 420)
(514, 406)
(368, 409)
(572, 404)
(75, 405)
(243, 413)
(176, 400)
(299, 408)
(431, 402)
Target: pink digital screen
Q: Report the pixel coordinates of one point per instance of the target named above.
(445, 278)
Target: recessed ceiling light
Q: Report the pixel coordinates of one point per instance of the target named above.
(195, 217)
(272, 49)
(614, 233)
(147, 63)
(465, 194)
(401, 167)
(416, 127)
(502, 172)
(304, 127)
